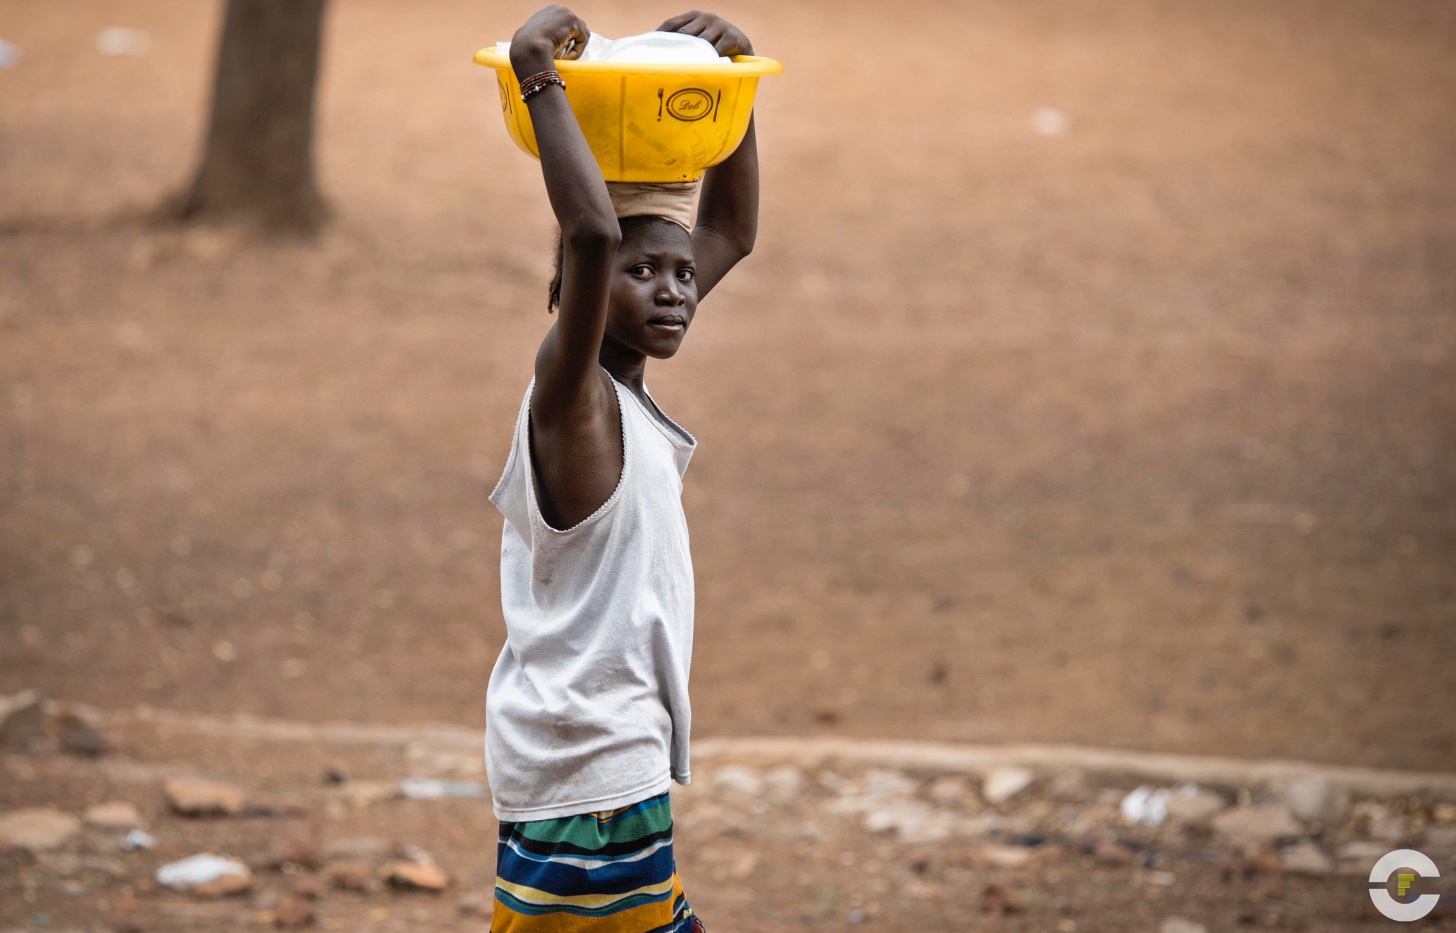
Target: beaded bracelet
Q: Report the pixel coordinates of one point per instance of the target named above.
(539, 82)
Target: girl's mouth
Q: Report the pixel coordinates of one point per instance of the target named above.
(674, 322)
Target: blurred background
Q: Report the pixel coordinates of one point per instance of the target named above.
(1093, 381)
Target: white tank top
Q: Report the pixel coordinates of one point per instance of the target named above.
(587, 707)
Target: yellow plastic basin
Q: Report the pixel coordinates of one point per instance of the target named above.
(646, 122)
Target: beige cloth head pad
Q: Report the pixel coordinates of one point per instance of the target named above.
(670, 200)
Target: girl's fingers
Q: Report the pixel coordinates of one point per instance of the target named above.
(726, 38)
(571, 47)
(695, 26)
(677, 22)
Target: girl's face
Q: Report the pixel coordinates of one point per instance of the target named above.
(654, 290)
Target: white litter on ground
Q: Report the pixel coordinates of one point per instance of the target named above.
(1049, 121)
(1146, 806)
(118, 40)
(198, 869)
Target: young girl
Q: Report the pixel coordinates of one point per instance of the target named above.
(587, 713)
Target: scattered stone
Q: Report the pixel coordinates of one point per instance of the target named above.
(1306, 858)
(335, 774)
(1000, 899)
(1191, 805)
(294, 850)
(114, 814)
(884, 784)
(420, 876)
(1440, 840)
(206, 876)
(1145, 805)
(737, 779)
(307, 886)
(903, 819)
(1444, 814)
(194, 796)
(1180, 925)
(993, 856)
(352, 875)
(1263, 863)
(1258, 826)
(1317, 801)
(948, 790)
(1113, 853)
(294, 913)
(473, 905)
(911, 820)
(1070, 786)
(783, 784)
(22, 720)
(1361, 850)
(1001, 784)
(77, 735)
(136, 840)
(37, 829)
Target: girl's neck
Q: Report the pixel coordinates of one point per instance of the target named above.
(626, 366)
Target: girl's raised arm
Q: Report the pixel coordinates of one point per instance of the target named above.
(568, 383)
(728, 208)
(575, 433)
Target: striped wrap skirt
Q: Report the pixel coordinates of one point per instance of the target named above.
(608, 872)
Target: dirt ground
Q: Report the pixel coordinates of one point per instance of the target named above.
(761, 846)
(1141, 435)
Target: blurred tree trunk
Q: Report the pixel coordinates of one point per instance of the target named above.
(258, 162)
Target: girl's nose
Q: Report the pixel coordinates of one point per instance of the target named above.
(670, 294)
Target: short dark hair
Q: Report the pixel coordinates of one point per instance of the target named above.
(628, 225)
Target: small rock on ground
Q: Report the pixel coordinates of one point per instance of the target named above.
(1191, 805)
(948, 790)
(351, 875)
(1180, 925)
(739, 780)
(1001, 784)
(22, 719)
(37, 829)
(194, 796)
(114, 814)
(294, 913)
(422, 876)
(1317, 801)
(77, 735)
(1306, 858)
(294, 850)
(1258, 825)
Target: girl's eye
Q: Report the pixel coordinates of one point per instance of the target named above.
(687, 275)
(642, 272)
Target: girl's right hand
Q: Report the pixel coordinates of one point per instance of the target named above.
(553, 32)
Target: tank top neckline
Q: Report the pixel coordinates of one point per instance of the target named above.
(675, 433)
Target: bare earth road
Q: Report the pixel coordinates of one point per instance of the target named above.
(1142, 435)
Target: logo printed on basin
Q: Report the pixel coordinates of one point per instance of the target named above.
(690, 104)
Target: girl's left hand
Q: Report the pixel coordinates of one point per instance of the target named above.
(727, 38)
